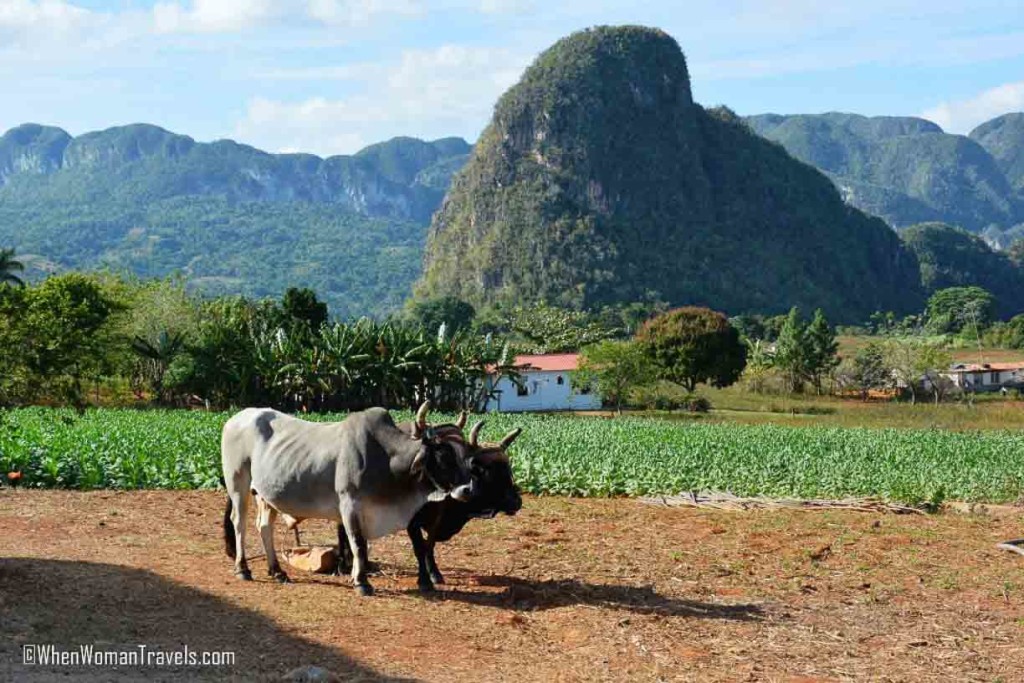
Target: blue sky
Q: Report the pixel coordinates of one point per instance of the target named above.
(331, 76)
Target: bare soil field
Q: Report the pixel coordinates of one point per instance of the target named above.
(568, 590)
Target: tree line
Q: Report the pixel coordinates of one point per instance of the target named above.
(76, 339)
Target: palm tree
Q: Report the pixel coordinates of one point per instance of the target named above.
(8, 266)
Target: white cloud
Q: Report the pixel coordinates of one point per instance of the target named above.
(505, 6)
(226, 16)
(316, 125)
(213, 16)
(360, 12)
(962, 116)
(426, 93)
(26, 19)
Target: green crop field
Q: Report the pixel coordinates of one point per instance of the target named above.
(561, 455)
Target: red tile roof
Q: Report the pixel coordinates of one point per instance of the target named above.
(554, 362)
(987, 367)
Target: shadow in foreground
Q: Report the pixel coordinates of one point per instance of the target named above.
(524, 594)
(110, 607)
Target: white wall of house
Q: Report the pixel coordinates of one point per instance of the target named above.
(544, 390)
(984, 379)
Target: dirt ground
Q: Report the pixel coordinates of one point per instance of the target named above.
(567, 590)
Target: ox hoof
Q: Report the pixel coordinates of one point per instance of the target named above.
(281, 577)
(436, 577)
(426, 587)
(244, 575)
(364, 589)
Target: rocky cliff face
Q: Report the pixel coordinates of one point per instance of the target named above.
(31, 149)
(599, 180)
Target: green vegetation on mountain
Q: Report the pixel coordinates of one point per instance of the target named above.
(600, 181)
(951, 257)
(358, 264)
(1003, 137)
(905, 170)
(231, 218)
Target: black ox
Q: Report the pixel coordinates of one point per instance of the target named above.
(437, 522)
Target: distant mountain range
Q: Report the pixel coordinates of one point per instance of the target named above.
(907, 170)
(230, 217)
(234, 219)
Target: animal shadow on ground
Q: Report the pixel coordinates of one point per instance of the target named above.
(526, 594)
(67, 604)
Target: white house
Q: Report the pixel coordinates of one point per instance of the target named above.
(987, 376)
(546, 385)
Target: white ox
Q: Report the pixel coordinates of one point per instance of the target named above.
(363, 472)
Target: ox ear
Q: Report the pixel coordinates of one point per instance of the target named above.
(510, 437)
(460, 422)
(474, 434)
(419, 425)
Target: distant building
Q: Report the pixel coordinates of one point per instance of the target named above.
(987, 376)
(545, 385)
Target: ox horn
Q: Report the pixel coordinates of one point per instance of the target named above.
(460, 421)
(474, 433)
(421, 415)
(420, 423)
(510, 437)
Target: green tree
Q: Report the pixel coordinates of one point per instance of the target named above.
(1008, 335)
(760, 363)
(14, 372)
(912, 361)
(955, 309)
(750, 327)
(693, 345)
(301, 305)
(67, 338)
(454, 313)
(867, 370)
(614, 369)
(822, 349)
(933, 361)
(8, 267)
(792, 350)
(542, 328)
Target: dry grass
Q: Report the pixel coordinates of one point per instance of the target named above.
(567, 590)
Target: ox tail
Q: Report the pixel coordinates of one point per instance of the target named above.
(229, 531)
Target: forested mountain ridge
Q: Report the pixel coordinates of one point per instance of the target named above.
(907, 170)
(230, 217)
(1003, 137)
(141, 162)
(952, 257)
(599, 180)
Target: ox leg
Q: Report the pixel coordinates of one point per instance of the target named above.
(265, 517)
(419, 548)
(435, 574)
(238, 493)
(357, 546)
(433, 527)
(344, 552)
